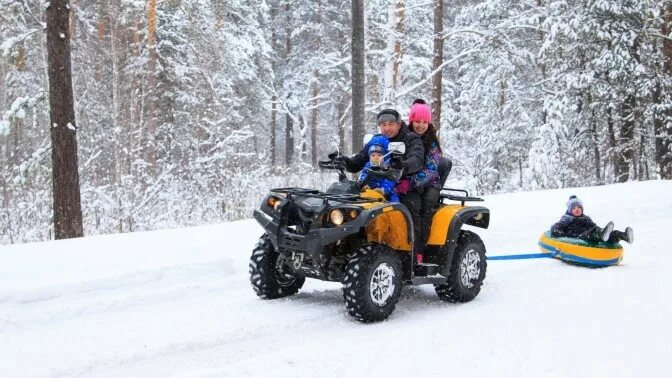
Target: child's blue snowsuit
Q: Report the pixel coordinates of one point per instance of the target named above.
(379, 143)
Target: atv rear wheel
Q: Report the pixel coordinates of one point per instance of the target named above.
(372, 283)
(467, 270)
(266, 280)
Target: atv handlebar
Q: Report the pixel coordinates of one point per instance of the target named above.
(384, 172)
(334, 164)
(331, 164)
(376, 171)
(380, 172)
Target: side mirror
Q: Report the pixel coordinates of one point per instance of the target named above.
(397, 148)
(367, 139)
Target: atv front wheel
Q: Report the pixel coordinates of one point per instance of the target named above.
(372, 283)
(467, 270)
(266, 280)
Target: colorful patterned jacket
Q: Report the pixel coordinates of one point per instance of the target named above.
(429, 175)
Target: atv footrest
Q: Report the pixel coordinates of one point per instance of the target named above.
(424, 270)
(431, 280)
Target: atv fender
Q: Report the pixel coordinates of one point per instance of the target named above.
(448, 221)
(390, 225)
(447, 224)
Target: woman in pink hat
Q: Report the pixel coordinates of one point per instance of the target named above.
(427, 182)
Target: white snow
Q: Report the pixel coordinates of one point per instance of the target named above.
(4, 127)
(8, 44)
(179, 303)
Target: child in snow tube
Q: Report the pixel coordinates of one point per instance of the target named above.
(577, 239)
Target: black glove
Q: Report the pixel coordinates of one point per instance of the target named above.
(341, 160)
(396, 164)
(588, 234)
(333, 155)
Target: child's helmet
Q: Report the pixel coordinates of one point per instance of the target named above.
(378, 144)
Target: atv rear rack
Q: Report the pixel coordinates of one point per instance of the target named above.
(462, 199)
(313, 193)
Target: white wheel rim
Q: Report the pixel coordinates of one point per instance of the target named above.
(382, 284)
(470, 268)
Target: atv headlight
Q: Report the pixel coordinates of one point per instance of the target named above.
(273, 202)
(336, 217)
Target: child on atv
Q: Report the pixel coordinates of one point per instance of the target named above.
(377, 148)
(575, 224)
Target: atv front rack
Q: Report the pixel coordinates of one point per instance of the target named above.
(462, 199)
(313, 193)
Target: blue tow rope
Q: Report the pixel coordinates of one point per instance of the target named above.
(521, 257)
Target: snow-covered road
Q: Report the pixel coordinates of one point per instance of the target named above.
(179, 303)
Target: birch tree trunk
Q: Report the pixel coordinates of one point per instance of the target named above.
(314, 120)
(663, 136)
(595, 140)
(341, 124)
(399, 32)
(118, 148)
(612, 142)
(274, 124)
(437, 60)
(289, 123)
(71, 22)
(151, 86)
(274, 99)
(316, 93)
(662, 124)
(3, 85)
(65, 175)
(358, 75)
(289, 140)
(395, 18)
(626, 142)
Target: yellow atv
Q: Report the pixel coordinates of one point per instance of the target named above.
(352, 235)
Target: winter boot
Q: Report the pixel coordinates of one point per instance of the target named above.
(629, 235)
(419, 258)
(606, 231)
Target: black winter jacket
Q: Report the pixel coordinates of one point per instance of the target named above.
(413, 159)
(573, 227)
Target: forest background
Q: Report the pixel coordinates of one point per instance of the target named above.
(189, 110)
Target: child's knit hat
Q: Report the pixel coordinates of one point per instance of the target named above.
(573, 201)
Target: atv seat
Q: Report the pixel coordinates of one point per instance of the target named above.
(445, 165)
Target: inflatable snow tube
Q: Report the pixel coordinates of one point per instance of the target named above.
(581, 252)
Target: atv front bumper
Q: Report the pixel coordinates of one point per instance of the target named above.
(313, 242)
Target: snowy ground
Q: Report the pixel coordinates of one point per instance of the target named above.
(179, 303)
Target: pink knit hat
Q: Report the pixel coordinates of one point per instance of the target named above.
(420, 111)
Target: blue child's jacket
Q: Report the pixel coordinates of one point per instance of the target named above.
(377, 182)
